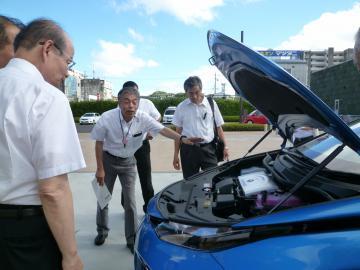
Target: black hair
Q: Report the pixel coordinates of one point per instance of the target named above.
(130, 84)
(4, 23)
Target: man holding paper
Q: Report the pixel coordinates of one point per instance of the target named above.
(118, 134)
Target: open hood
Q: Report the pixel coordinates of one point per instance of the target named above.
(286, 102)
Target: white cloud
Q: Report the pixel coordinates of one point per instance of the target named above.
(135, 35)
(118, 60)
(188, 11)
(207, 76)
(335, 30)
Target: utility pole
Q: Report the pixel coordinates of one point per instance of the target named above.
(215, 84)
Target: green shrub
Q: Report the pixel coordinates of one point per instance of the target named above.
(231, 118)
(235, 126)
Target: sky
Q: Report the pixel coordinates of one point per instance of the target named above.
(160, 43)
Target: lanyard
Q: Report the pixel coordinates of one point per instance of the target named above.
(124, 140)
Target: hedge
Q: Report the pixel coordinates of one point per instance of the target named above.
(231, 118)
(228, 107)
(236, 127)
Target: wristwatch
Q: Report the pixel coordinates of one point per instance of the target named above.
(181, 137)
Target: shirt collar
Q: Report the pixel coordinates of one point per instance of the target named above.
(202, 103)
(25, 66)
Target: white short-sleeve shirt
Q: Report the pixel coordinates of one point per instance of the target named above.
(196, 120)
(123, 138)
(148, 106)
(38, 137)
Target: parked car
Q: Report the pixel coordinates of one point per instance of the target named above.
(255, 117)
(168, 115)
(292, 208)
(89, 118)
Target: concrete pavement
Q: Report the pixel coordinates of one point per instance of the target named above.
(113, 254)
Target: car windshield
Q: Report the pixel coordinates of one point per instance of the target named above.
(169, 112)
(88, 114)
(319, 148)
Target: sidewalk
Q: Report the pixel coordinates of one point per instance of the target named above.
(113, 254)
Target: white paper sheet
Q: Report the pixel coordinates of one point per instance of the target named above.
(102, 193)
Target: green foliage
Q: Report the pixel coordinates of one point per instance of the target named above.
(231, 118)
(79, 108)
(231, 126)
(229, 108)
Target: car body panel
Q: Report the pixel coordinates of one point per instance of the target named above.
(168, 115)
(279, 96)
(152, 248)
(339, 209)
(89, 118)
(255, 117)
(326, 251)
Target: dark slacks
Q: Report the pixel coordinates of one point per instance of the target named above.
(27, 243)
(196, 157)
(143, 164)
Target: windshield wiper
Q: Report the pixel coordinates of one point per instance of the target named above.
(310, 175)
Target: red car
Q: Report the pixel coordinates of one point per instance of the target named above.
(255, 117)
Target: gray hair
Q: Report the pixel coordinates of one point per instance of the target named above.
(357, 48)
(128, 90)
(40, 30)
(191, 82)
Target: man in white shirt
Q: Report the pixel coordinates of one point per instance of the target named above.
(9, 28)
(142, 155)
(39, 145)
(194, 118)
(118, 134)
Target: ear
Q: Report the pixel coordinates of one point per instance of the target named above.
(46, 47)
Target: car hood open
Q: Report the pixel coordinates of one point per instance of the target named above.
(286, 102)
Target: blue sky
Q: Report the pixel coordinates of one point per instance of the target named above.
(159, 43)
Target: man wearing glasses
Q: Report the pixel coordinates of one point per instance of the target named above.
(194, 118)
(38, 147)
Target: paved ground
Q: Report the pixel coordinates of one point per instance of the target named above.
(114, 254)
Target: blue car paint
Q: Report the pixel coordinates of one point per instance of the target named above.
(324, 251)
(339, 209)
(162, 255)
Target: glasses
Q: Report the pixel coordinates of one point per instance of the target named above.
(70, 63)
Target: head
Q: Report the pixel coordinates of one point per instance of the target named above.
(130, 84)
(45, 44)
(357, 50)
(128, 99)
(9, 28)
(193, 89)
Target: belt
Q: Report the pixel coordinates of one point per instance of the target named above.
(19, 211)
(202, 144)
(114, 156)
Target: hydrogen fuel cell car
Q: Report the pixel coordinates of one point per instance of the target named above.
(292, 208)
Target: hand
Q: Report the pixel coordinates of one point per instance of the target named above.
(72, 263)
(226, 153)
(100, 176)
(149, 136)
(176, 163)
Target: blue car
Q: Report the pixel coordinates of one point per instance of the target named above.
(293, 208)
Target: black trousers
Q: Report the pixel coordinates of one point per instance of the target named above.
(143, 164)
(27, 243)
(196, 157)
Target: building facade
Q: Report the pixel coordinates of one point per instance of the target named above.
(72, 85)
(95, 89)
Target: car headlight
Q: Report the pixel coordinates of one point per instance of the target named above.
(202, 238)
